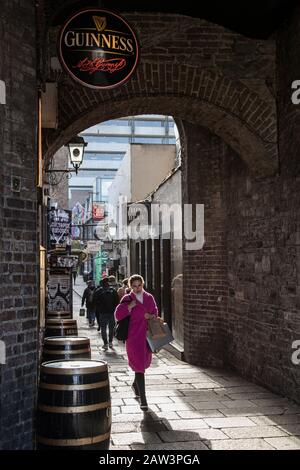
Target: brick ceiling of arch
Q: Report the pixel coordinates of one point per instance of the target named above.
(252, 18)
(191, 69)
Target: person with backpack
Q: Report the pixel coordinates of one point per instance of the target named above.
(106, 300)
(87, 298)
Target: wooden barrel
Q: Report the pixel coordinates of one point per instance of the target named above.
(61, 327)
(66, 348)
(74, 406)
(58, 314)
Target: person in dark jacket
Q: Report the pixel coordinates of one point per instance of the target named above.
(87, 298)
(106, 299)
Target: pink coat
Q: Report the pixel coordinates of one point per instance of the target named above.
(138, 351)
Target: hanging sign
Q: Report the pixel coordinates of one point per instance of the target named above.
(98, 48)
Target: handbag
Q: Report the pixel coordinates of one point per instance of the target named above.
(122, 326)
(157, 339)
(121, 329)
(82, 312)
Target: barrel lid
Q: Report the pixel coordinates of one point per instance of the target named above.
(74, 367)
(66, 339)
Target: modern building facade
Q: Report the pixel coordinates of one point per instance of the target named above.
(143, 168)
(107, 144)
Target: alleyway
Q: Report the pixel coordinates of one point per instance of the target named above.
(191, 407)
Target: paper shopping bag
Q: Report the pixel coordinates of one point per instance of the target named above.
(157, 342)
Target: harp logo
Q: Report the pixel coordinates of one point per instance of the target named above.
(98, 48)
(100, 23)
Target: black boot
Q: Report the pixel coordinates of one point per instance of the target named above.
(140, 382)
(135, 389)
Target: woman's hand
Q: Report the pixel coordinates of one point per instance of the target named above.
(131, 305)
(154, 317)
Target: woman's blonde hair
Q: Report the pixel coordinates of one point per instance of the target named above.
(135, 277)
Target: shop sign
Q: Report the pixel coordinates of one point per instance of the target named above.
(98, 211)
(98, 48)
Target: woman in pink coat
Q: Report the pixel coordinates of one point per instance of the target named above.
(141, 306)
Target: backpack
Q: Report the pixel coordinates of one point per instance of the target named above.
(97, 293)
(90, 296)
(107, 300)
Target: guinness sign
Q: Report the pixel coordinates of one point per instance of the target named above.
(98, 48)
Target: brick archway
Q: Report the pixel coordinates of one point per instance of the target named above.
(228, 109)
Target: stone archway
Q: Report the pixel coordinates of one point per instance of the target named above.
(223, 100)
(229, 110)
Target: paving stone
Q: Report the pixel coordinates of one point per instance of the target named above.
(205, 385)
(136, 408)
(150, 399)
(192, 379)
(238, 404)
(174, 406)
(273, 402)
(211, 434)
(117, 402)
(251, 396)
(118, 427)
(254, 432)
(112, 448)
(293, 429)
(200, 434)
(138, 426)
(196, 398)
(196, 445)
(192, 392)
(135, 438)
(240, 444)
(229, 422)
(200, 414)
(167, 393)
(284, 443)
(165, 415)
(179, 436)
(276, 419)
(185, 424)
(258, 411)
(170, 386)
(242, 389)
(207, 405)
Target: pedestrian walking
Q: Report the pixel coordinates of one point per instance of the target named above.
(87, 298)
(74, 274)
(141, 306)
(106, 299)
(112, 282)
(124, 289)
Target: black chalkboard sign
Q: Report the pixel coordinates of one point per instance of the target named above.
(59, 229)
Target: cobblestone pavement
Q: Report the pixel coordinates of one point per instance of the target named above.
(190, 408)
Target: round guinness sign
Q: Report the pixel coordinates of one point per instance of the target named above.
(98, 48)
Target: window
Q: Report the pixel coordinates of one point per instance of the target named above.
(147, 140)
(97, 156)
(93, 172)
(141, 123)
(105, 184)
